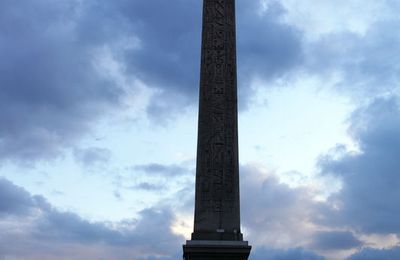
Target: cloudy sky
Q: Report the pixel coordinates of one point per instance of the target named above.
(98, 121)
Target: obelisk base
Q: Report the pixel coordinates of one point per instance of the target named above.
(216, 250)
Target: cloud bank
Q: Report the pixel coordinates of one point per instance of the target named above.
(68, 64)
(34, 229)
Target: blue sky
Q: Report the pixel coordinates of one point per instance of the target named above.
(98, 121)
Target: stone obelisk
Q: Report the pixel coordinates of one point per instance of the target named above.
(217, 232)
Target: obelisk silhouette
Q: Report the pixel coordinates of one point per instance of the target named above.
(217, 233)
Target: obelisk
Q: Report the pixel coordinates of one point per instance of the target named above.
(217, 232)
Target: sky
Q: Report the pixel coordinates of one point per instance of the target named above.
(98, 128)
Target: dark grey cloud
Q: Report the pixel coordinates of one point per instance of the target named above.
(335, 240)
(51, 91)
(148, 186)
(367, 62)
(368, 199)
(92, 156)
(53, 88)
(43, 231)
(177, 256)
(69, 227)
(279, 216)
(14, 200)
(169, 33)
(267, 47)
(280, 254)
(162, 169)
(281, 212)
(170, 57)
(376, 254)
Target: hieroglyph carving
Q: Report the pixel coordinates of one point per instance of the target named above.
(217, 155)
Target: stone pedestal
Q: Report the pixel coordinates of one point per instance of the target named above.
(216, 250)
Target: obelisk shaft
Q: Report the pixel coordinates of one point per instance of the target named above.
(217, 233)
(217, 209)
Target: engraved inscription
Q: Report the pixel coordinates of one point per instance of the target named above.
(217, 157)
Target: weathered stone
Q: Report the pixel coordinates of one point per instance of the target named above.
(217, 204)
(217, 183)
